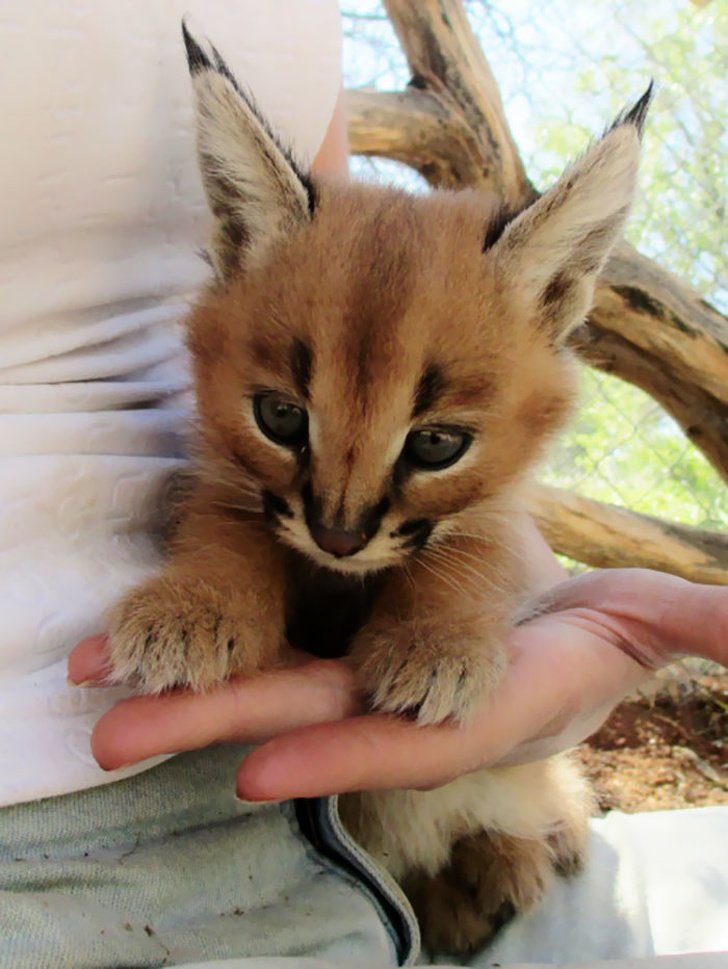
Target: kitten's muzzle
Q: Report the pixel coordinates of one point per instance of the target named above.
(337, 541)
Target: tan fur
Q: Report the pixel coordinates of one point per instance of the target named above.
(480, 849)
(489, 877)
(377, 313)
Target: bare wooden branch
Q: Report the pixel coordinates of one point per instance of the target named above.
(606, 536)
(657, 312)
(446, 59)
(417, 128)
(702, 418)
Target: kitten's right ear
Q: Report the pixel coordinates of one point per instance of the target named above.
(255, 189)
(549, 256)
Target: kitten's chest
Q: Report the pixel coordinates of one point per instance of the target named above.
(326, 610)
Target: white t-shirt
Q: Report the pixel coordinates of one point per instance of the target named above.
(101, 219)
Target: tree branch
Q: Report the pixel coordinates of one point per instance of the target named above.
(417, 128)
(446, 59)
(702, 418)
(606, 536)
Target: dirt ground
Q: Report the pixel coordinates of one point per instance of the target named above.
(665, 751)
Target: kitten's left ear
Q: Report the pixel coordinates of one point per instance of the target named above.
(549, 256)
(255, 189)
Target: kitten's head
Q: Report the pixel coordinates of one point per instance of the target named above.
(376, 368)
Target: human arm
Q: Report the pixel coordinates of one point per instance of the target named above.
(332, 157)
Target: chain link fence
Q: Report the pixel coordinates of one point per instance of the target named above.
(564, 70)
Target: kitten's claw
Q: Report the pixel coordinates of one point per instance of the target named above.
(432, 676)
(431, 693)
(168, 634)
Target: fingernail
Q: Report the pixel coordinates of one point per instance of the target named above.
(70, 682)
(110, 770)
(248, 801)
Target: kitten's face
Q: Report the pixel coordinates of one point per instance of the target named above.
(375, 369)
(371, 380)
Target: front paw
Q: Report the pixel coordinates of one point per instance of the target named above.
(181, 632)
(430, 670)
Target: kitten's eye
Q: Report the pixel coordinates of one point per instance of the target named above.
(434, 448)
(280, 420)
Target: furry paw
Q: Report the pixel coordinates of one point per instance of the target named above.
(174, 632)
(490, 878)
(429, 670)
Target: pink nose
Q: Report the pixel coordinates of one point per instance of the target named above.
(336, 541)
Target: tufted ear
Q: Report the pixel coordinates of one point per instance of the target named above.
(255, 189)
(549, 256)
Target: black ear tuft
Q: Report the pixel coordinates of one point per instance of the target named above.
(221, 66)
(637, 114)
(197, 59)
(255, 189)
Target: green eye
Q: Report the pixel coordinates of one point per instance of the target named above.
(280, 420)
(434, 448)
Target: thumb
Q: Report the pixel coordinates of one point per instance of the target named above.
(667, 617)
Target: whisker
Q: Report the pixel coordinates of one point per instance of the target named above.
(465, 571)
(454, 580)
(449, 582)
(407, 572)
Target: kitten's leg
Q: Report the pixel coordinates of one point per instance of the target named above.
(434, 645)
(479, 850)
(489, 879)
(217, 608)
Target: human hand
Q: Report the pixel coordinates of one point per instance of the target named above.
(596, 638)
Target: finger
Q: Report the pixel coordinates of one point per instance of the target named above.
(663, 615)
(560, 672)
(243, 710)
(88, 663)
(374, 752)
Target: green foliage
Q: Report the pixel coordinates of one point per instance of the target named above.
(622, 448)
(680, 217)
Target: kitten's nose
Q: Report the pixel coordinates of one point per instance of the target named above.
(336, 541)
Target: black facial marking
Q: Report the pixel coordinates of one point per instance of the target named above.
(431, 385)
(301, 360)
(275, 507)
(400, 473)
(497, 225)
(417, 532)
(371, 518)
(312, 506)
(412, 526)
